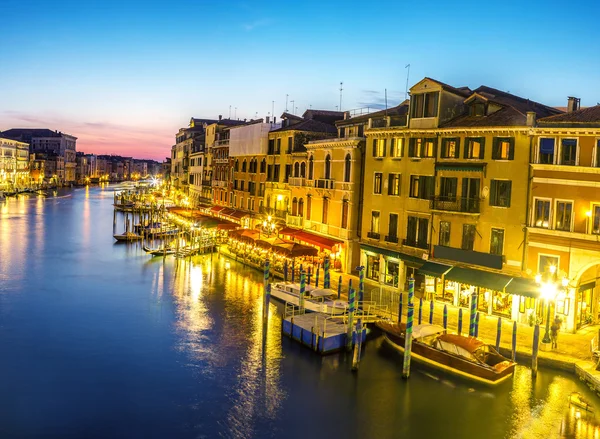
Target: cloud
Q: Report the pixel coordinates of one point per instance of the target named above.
(376, 99)
(256, 23)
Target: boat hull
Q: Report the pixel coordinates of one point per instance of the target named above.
(309, 305)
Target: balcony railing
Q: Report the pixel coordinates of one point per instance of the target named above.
(379, 123)
(273, 212)
(344, 185)
(297, 181)
(206, 182)
(223, 142)
(456, 204)
(296, 221)
(324, 183)
(391, 238)
(415, 243)
(373, 235)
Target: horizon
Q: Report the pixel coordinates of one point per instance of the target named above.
(121, 87)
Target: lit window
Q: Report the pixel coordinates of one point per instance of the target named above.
(541, 214)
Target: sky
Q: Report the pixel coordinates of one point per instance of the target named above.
(124, 76)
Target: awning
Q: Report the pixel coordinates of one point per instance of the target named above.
(523, 287)
(472, 167)
(317, 240)
(478, 278)
(587, 285)
(237, 214)
(227, 226)
(289, 231)
(393, 254)
(216, 209)
(434, 269)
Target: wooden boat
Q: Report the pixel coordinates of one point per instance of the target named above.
(159, 251)
(577, 400)
(315, 299)
(464, 356)
(129, 236)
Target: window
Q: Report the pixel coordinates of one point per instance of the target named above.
(424, 105)
(541, 213)
(263, 166)
(444, 239)
(415, 147)
(237, 166)
(564, 215)
(374, 222)
(468, 238)
(545, 262)
(393, 226)
(278, 146)
(303, 170)
(500, 193)
(477, 109)
(296, 169)
(597, 153)
(243, 165)
(271, 149)
(546, 151)
(416, 232)
(250, 203)
(310, 167)
(448, 188)
(270, 173)
(450, 148)
(429, 149)
(379, 147)
(345, 207)
(276, 172)
(325, 210)
(568, 152)
(503, 148)
(347, 168)
(394, 184)
(421, 186)
(288, 173)
(397, 147)
(290, 143)
(308, 207)
(328, 167)
(474, 148)
(301, 207)
(377, 183)
(497, 242)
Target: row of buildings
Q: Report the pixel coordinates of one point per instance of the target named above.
(472, 192)
(42, 156)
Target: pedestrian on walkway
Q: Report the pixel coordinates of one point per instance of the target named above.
(554, 332)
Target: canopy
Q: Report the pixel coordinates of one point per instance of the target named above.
(267, 243)
(434, 269)
(295, 250)
(425, 330)
(478, 278)
(322, 292)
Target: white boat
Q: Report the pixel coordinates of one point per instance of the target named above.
(315, 299)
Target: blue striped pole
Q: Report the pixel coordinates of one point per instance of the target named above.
(459, 321)
(351, 306)
(267, 302)
(361, 286)
(536, 346)
(498, 333)
(400, 308)
(317, 278)
(445, 316)
(339, 287)
(326, 275)
(266, 273)
(409, 328)
(476, 333)
(430, 312)
(302, 289)
(293, 270)
(514, 342)
(285, 270)
(420, 310)
(472, 315)
(357, 345)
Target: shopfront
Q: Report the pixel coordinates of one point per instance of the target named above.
(585, 297)
(391, 268)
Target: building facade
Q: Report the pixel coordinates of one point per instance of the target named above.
(14, 164)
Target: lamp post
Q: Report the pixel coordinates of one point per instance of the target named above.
(549, 289)
(268, 226)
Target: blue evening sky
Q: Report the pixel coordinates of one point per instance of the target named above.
(123, 76)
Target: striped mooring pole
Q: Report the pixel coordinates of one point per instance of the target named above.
(267, 286)
(340, 287)
(400, 308)
(445, 317)
(308, 275)
(476, 333)
(498, 333)
(431, 312)
(409, 328)
(326, 276)
(361, 286)
(472, 315)
(420, 310)
(514, 342)
(317, 278)
(351, 307)
(357, 346)
(285, 271)
(293, 270)
(459, 321)
(302, 290)
(536, 346)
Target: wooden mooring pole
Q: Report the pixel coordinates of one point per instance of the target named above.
(409, 328)
(357, 346)
(535, 349)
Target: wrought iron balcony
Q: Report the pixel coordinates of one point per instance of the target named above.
(324, 183)
(373, 235)
(391, 238)
(409, 242)
(297, 181)
(456, 204)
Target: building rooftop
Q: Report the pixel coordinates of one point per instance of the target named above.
(309, 125)
(581, 116)
(26, 134)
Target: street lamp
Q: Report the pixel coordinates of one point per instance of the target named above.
(549, 290)
(268, 225)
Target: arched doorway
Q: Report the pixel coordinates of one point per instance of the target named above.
(295, 207)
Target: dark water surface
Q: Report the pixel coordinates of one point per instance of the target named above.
(98, 340)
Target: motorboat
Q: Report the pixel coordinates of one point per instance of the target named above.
(159, 251)
(460, 355)
(315, 299)
(128, 236)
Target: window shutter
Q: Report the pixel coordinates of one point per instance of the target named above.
(511, 151)
(457, 149)
(508, 192)
(392, 145)
(495, 149)
(466, 152)
(482, 149)
(444, 148)
(435, 147)
(374, 147)
(383, 149)
(493, 191)
(411, 147)
(390, 176)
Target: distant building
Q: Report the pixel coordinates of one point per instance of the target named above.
(14, 163)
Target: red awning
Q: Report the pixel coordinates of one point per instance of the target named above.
(318, 240)
(227, 226)
(289, 231)
(217, 208)
(238, 214)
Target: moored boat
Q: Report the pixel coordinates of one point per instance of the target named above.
(577, 400)
(315, 299)
(159, 251)
(129, 236)
(464, 356)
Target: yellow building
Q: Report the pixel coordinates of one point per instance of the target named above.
(14, 164)
(564, 215)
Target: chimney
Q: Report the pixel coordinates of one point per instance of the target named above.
(531, 118)
(220, 116)
(274, 119)
(346, 115)
(572, 104)
(267, 119)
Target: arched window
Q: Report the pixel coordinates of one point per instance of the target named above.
(308, 207)
(268, 201)
(237, 165)
(263, 166)
(325, 210)
(301, 207)
(243, 166)
(347, 168)
(328, 167)
(296, 169)
(345, 207)
(303, 170)
(294, 206)
(310, 167)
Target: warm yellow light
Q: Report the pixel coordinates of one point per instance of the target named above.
(552, 269)
(269, 218)
(565, 281)
(588, 213)
(548, 291)
(279, 197)
(538, 278)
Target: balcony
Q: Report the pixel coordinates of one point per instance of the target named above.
(415, 243)
(223, 142)
(206, 182)
(295, 221)
(273, 212)
(456, 204)
(344, 186)
(220, 183)
(391, 238)
(373, 235)
(297, 181)
(323, 183)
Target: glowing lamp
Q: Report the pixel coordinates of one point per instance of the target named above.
(552, 269)
(548, 290)
(588, 213)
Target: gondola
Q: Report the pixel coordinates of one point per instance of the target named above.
(159, 251)
(127, 237)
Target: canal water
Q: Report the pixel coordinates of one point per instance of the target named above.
(98, 340)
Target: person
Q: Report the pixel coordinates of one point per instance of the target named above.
(554, 331)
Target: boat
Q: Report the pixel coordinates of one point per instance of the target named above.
(315, 299)
(159, 251)
(577, 400)
(460, 355)
(128, 236)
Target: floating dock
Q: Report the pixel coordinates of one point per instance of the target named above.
(323, 333)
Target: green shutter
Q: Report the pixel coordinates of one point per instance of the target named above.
(466, 151)
(411, 147)
(444, 148)
(493, 191)
(435, 147)
(374, 147)
(511, 152)
(457, 149)
(482, 150)
(495, 149)
(390, 175)
(384, 147)
(509, 183)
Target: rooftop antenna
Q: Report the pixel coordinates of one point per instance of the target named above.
(230, 112)
(292, 106)
(407, 75)
(286, 101)
(341, 89)
(235, 114)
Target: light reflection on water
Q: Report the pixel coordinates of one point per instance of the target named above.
(178, 349)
